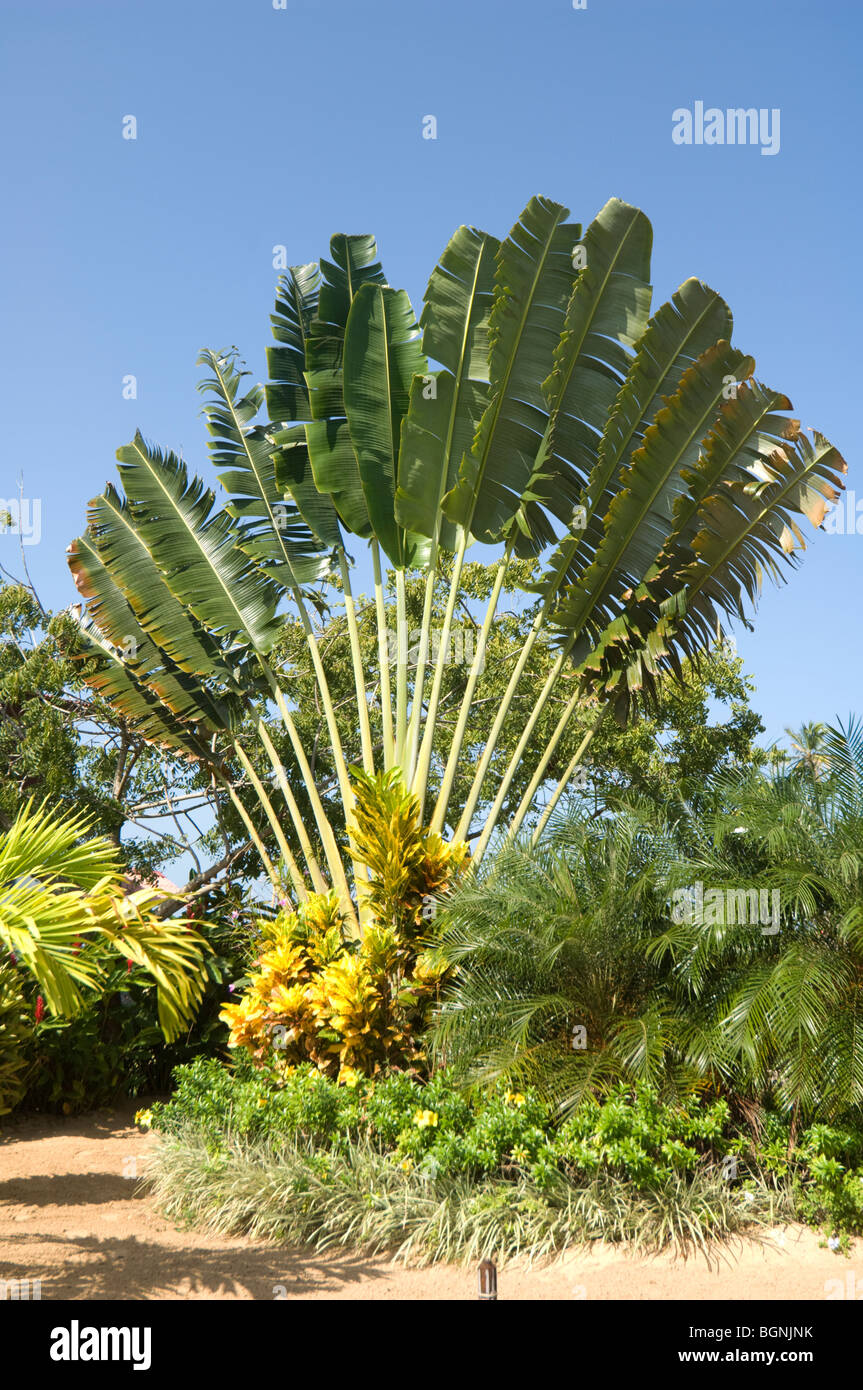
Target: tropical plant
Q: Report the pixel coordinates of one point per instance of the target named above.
(62, 741)
(348, 1007)
(635, 458)
(420, 1169)
(593, 929)
(64, 919)
(779, 1011)
(807, 750)
(697, 726)
(115, 1047)
(409, 868)
(551, 983)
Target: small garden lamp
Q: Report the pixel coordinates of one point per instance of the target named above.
(488, 1281)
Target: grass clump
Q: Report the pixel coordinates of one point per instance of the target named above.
(364, 1199)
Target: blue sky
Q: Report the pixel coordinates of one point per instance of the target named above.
(258, 127)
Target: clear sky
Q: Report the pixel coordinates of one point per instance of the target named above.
(259, 127)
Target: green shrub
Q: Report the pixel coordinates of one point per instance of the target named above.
(436, 1128)
(831, 1187)
(822, 1171)
(115, 1047)
(635, 1137)
(15, 1033)
(624, 1165)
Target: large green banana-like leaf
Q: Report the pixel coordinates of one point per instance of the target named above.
(336, 473)
(354, 264)
(606, 316)
(446, 408)
(744, 529)
(271, 530)
(294, 479)
(288, 403)
(756, 471)
(534, 280)
(382, 356)
(655, 478)
(138, 705)
(639, 518)
(198, 548)
(179, 692)
(296, 306)
(130, 563)
(331, 453)
(607, 313)
(744, 439)
(677, 335)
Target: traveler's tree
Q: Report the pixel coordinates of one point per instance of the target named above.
(539, 408)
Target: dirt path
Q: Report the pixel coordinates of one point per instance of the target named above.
(70, 1216)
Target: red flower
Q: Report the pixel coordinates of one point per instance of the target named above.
(40, 1008)
(128, 967)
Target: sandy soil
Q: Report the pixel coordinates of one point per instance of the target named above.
(71, 1215)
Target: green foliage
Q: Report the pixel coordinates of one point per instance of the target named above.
(115, 1047)
(350, 1007)
(435, 1174)
(595, 444)
(551, 983)
(15, 1033)
(831, 1179)
(437, 1128)
(60, 740)
(778, 1013)
(359, 1199)
(637, 1137)
(575, 967)
(65, 923)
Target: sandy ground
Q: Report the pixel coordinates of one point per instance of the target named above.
(71, 1215)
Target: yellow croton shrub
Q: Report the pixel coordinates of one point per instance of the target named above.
(318, 995)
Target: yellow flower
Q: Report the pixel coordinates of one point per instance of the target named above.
(426, 1119)
(349, 1077)
(406, 1165)
(144, 1118)
(262, 1100)
(514, 1098)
